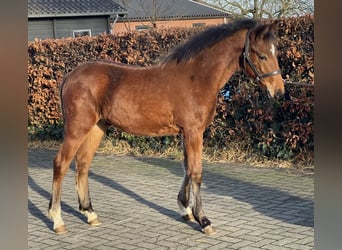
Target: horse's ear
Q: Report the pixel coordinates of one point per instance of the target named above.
(260, 31)
(274, 25)
(265, 31)
(273, 31)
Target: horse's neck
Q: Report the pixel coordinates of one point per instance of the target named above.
(217, 64)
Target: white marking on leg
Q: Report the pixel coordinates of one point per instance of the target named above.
(90, 216)
(184, 211)
(57, 218)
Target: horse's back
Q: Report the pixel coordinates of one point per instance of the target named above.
(134, 99)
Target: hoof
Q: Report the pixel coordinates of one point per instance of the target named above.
(95, 222)
(60, 230)
(92, 218)
(209, 230)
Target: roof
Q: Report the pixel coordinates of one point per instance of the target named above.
(169, 9)
(73, 8)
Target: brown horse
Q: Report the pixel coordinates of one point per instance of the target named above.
(177, 95)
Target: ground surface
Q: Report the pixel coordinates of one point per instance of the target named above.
(135, 197)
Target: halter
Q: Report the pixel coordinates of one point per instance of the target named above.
(246, 57)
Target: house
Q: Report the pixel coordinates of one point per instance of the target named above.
(143, 14)
(71, 18)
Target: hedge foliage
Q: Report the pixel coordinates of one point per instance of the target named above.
(275, 129)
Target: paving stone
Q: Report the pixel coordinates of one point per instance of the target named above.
(274, 247)
(135, 197)
(298, 246)
(305, 240)
(241, 244)
(249, 248)
(263, 242)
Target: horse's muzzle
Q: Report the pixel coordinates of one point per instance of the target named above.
(278, 94)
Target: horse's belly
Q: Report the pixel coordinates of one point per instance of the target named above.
(142, 110)
(144, 123)
(147, 128)
(152, 131)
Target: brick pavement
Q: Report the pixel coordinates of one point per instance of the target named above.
(135, 197)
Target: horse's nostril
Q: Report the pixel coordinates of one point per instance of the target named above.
(278, 94)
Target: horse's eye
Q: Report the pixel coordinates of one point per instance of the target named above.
(263, 58)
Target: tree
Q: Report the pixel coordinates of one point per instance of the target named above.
(151, 9)
(265, 8)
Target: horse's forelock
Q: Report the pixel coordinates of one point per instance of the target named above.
(265, 32)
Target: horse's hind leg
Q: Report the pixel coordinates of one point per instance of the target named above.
(84, 157)
(61, 165)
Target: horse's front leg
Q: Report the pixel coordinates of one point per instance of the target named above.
(184, 193)
(193, 144)
(184, 196)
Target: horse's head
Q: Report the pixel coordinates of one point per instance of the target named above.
(260, 59)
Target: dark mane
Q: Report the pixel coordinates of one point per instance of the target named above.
(206, 39)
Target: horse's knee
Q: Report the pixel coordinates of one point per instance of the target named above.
(57, 162)
(82, 166)
(196, 177)
(59, 168)
(61, 162)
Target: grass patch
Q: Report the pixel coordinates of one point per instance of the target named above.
(235, 153)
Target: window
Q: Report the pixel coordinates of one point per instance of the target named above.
(79, 33)
(141, 27)
(197, 25)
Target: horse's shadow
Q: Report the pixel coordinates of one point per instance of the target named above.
(118, 187)
(36, 212)
(268, 201)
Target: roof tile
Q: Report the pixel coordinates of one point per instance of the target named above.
(169, 9)
(49, 8)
